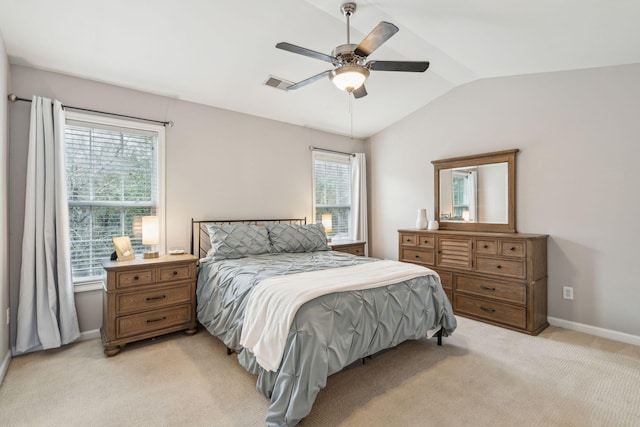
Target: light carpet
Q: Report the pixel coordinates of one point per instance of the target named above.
(481, 376)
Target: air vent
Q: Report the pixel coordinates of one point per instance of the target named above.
(278, 83)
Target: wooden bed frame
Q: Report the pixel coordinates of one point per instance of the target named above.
(199, 229)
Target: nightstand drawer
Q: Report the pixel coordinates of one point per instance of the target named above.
(494, 311)
(354, 250)
(137, 324)
(180, 272)
(135, 278)
(143, 301)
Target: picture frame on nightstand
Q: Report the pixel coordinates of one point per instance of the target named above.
(123, 248)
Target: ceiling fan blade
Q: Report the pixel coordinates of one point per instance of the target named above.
(360, 92)
(309, 80)
(380, 34)
(306, 52)
(411, 66)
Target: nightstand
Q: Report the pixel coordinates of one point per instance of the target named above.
(144, 298)
(354, 247)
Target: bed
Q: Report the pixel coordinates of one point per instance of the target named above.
(247, 267)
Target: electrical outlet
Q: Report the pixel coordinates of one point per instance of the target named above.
(567, 292)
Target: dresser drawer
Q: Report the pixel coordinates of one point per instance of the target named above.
(135, 278)
(513, 249)
(510, 292)
(179, 272)
(501, 267)
(143, 301)
(428, 242)
(423, 257)
(446, 278)
(493, 311)
(138, 324)
(408, 239)
(487, 246)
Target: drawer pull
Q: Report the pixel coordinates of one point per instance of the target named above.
(156, 298)
(135, 277)
(160, 319)
(512, 249)
(490, 310)
(175, 273)
(498, 266)
(417, 256)
(487, 288)
(486, 246)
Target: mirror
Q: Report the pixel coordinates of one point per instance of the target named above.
(476, 193)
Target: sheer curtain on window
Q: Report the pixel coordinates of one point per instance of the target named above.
(47, 315)
(359, 228)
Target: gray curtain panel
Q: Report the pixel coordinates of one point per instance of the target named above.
(47, 315)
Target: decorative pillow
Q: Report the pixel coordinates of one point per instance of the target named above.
(237, 241)
(297, 238)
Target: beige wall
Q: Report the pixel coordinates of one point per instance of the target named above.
(578, 133)
(219, 164)
(4, 274)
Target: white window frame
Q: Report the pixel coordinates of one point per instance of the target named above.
(89, 284)
(331, 157)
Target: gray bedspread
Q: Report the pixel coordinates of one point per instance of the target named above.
(328, 333)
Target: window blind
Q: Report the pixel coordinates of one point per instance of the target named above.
(332, 191)
(111, 183)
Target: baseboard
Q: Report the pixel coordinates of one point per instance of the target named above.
(5, 366)
(89, 335)
(594, 330)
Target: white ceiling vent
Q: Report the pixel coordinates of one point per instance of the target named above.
(277, 83)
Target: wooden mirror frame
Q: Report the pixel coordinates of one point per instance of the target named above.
(508, 156)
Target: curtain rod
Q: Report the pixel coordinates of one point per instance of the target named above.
(312, 148)
(14, 98)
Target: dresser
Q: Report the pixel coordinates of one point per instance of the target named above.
(144, 298)
(354, 247)
(497, 278)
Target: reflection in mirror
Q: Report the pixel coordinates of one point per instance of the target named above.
(475, 194)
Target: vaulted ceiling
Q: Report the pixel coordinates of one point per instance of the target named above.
(220, 53)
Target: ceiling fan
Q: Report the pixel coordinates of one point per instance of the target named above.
(350, 60)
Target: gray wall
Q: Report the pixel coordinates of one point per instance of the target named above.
(219, 163)
(578, 133)
(4, 274)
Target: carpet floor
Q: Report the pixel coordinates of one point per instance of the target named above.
(482, 376)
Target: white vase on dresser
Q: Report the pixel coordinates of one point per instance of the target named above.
(421, 220)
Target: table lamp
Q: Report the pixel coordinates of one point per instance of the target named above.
(327, 224)
(150, 235)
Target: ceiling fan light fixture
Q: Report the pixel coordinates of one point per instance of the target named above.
(349, 77)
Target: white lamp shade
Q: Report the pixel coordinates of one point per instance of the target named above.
(327, 223)
(150, 230)
(349, 77)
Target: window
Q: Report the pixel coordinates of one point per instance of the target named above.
(113, 179)
(332, 191)
(460, 201)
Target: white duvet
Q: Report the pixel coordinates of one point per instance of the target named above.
(274, 302)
